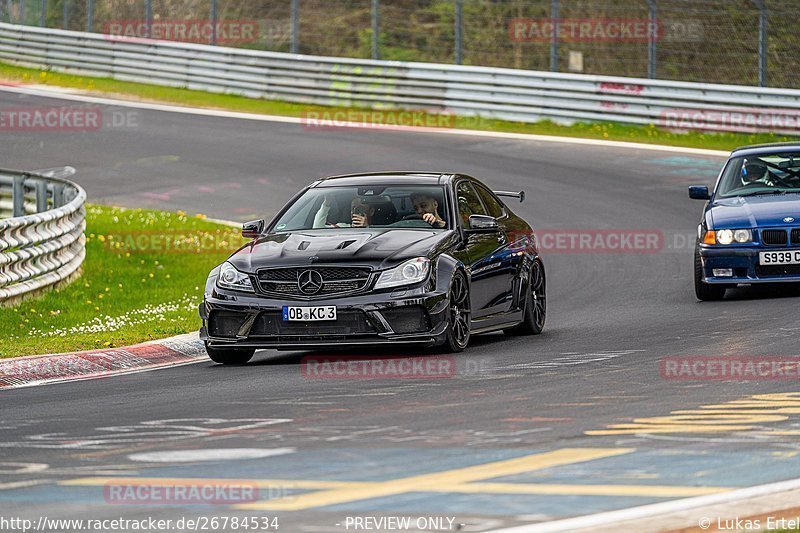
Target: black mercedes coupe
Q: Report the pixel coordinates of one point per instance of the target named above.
(421, 258)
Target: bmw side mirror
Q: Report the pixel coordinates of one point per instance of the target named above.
(482, 223)
(252, 229)
(699, 192)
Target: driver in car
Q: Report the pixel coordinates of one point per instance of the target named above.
(756, 172)
(360, 214)
(428, 209)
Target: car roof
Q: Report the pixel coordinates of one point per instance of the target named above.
(756, 149)
(391, 177)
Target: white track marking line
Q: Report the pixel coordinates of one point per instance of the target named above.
(653, 511)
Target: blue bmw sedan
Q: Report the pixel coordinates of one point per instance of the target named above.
(750, 231)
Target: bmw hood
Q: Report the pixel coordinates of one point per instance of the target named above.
(378, 248)
(755, 211)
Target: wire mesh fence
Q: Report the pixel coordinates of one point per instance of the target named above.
(742, 42)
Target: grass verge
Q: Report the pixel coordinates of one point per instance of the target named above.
(610, 131)
(143, 279)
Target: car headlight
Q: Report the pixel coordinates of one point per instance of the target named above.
(230, 278)
(742, 235)
(412, 271)
(729, 236)
(725, 236)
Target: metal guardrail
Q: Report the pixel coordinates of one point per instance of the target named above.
(43, 242)
(516, 95)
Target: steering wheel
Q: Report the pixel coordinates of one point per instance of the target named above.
(413, 216)
(775, 179)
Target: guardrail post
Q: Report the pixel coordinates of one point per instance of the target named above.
(762, 42)
(42, 12)
(214, 22)
(18, 196)
(376, 29)
(58, 195)
(652, 35)
(295, 34)
(459, 28)
(41, 196)
(90, 16)
(554, 6)
(65, 15)
(21, 16)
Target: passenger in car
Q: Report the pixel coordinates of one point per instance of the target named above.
(361, 214)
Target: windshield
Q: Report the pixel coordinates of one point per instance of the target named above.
(380, 206)
(764, 174)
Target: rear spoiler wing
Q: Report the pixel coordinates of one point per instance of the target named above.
(520, 194)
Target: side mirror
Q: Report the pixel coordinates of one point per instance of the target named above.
(520, 194)
(699, 192)
(252, 229)
(482, 224)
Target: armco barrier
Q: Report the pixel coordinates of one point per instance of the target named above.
(42, 242)
(509, 94)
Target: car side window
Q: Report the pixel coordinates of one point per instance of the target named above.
(493, 205)
(468, 202)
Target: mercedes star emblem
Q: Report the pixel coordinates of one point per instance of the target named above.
(309, 282)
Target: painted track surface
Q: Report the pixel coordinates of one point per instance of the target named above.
(538, 410)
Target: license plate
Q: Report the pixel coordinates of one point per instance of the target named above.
(785, 257)
(309, 314)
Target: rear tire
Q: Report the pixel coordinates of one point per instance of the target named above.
(230, 356)
(704, 291)
(535, 304)
(459, 313)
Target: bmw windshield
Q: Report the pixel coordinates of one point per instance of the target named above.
(762, 174)
(394, 206)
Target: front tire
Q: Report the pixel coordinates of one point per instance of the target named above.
(704, 291)
(229, 356)
(459, 313)
(535, 304)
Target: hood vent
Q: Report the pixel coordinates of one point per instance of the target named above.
(303, 245)
(344, 244)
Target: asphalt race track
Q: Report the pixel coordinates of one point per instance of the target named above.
(576, 421)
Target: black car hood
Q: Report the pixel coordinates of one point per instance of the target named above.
(378, 248)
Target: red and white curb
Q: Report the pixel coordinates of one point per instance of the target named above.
(58, 368)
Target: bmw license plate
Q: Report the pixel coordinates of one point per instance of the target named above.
(309, 314)
(784, 257)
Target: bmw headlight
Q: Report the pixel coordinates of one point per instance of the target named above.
(742, 235)
(412, 271)
(725, 236)
(729, 236)
(230, 278)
